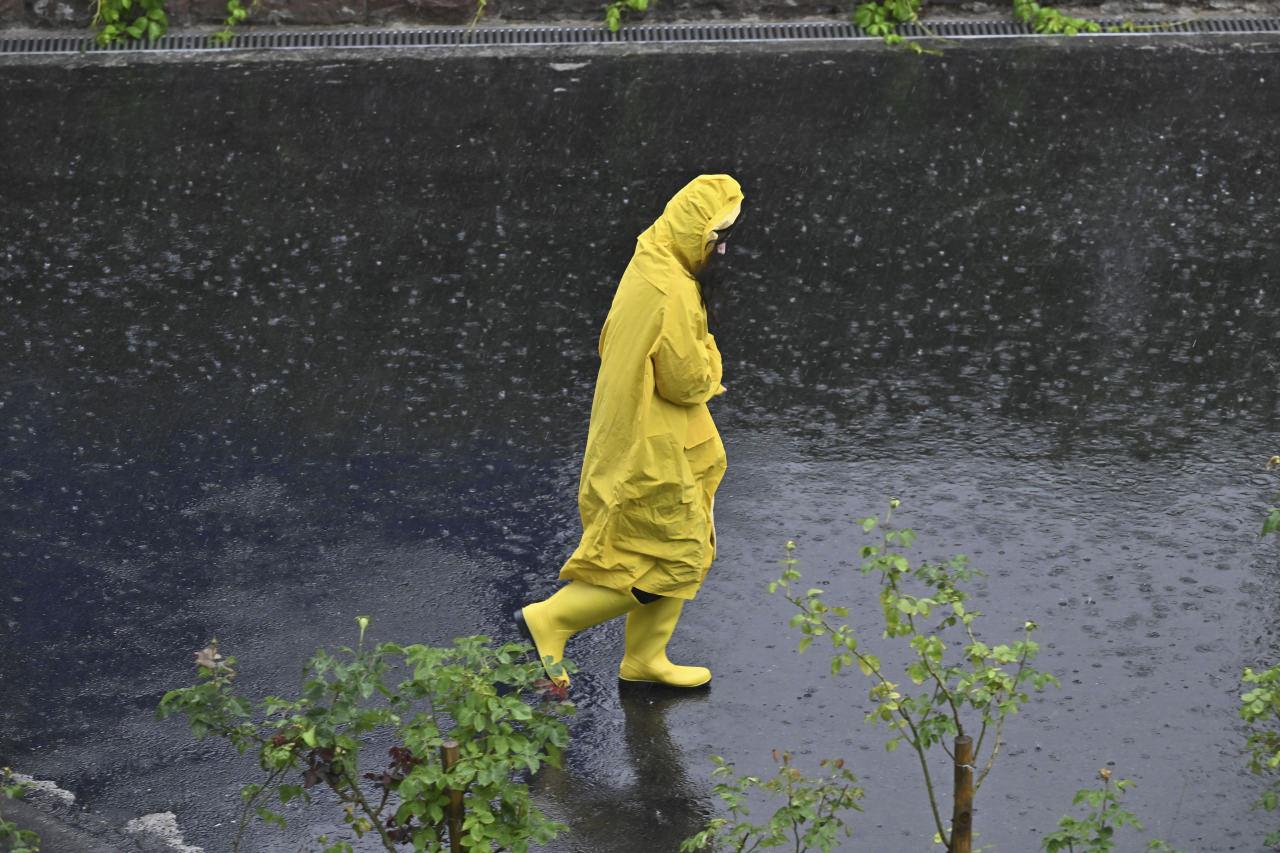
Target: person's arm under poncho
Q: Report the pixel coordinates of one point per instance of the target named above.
(686, 366)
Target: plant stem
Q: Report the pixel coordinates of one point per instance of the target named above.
(248, 807)
(795, 824)
(937, 679)
(742, 845)
(995, 747)
(977, 750)
(358, 796)
(906, 718)
(933, 797)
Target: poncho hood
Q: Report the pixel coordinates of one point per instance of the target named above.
(680, 240)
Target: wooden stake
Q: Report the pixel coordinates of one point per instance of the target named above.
(962, 815)
(449, 757)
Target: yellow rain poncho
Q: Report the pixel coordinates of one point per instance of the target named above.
(654, 459)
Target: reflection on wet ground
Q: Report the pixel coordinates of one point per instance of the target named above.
(332, 353)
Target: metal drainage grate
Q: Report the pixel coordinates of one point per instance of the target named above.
(541, 36)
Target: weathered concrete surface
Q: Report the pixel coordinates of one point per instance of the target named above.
(333, 354)
(383, 12)
(46, 13)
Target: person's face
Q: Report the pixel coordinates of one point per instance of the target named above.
(720, 237)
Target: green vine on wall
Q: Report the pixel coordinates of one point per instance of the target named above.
(1046, 19)
(882, 19)
(236, 14)
(117, 20)
(614, 11)
(146, 20)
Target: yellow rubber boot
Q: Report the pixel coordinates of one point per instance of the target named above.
(549, 624)
(649, 629)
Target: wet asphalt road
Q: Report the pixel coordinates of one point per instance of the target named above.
(286, 342)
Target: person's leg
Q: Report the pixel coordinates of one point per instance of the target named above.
(578, 605)
(649, 629)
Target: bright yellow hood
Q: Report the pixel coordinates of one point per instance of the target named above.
(678, 240)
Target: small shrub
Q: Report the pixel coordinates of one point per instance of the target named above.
(1095, 832)
(968, 687)
(1260, 709)
(12, 838)
(472, 693)
(1272, 523)
(811, 817)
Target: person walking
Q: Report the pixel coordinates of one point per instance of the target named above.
(654, 458)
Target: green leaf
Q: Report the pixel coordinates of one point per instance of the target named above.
(268, 816)
(917, 672)
(1272, 524)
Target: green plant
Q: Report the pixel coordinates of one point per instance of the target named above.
(13, 839)
(117, 20)
(810, 818)
(881, 18)
(1046, 19)
(1272, 523)
(1133, 27)
(472, 693)
(966, 683)
(138, 20)
(613, 12)
(1095, 832)
(236, 14)
(1260, 709)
